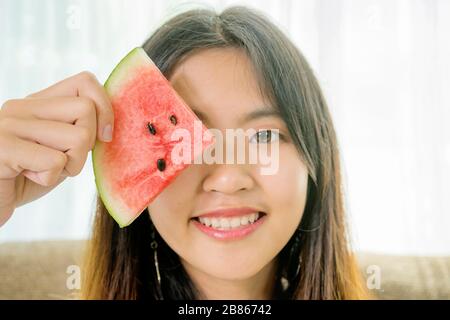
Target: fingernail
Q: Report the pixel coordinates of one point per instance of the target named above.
(34, 176)
(107, 133)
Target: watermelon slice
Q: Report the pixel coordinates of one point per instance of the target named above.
(137, 165)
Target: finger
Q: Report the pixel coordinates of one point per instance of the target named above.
(19, 155)
(72, 110)
(85, 84)
(74, 141)
(41, 177)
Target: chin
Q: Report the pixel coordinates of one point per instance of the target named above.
(229, 272)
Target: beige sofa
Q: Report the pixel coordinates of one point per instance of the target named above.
(39, 270)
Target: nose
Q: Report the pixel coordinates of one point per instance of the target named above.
(227, 178)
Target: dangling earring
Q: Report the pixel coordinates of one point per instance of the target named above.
(154, 246)
(284, 282)
(284, 278)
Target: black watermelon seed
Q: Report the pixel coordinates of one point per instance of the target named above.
(151, 128)
(161, 164)
(173, 119)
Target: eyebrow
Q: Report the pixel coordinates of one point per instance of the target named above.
(263, 112)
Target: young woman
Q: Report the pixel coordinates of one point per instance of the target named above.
(236, 70)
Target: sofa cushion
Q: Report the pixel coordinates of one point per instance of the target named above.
(44, 270)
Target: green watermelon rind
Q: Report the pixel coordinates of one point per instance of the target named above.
(121, 72)
(118, 76)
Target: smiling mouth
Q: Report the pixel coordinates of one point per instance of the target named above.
(230, 223)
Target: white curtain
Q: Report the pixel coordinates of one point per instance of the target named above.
(384, 67)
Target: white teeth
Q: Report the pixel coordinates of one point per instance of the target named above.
(235, 222)
(207, 221)
(215, 222)
(229, 223)
(224, 223)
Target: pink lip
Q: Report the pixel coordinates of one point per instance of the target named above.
(231, 234)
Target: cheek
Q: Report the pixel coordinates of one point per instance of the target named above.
(285, 193)
(171, 210)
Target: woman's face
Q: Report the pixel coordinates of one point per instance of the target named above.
(220, 85)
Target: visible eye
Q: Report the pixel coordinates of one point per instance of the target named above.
(265, 136)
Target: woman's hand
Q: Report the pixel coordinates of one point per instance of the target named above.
(46, 137)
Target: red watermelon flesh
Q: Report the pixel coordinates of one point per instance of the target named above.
(133, 169)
